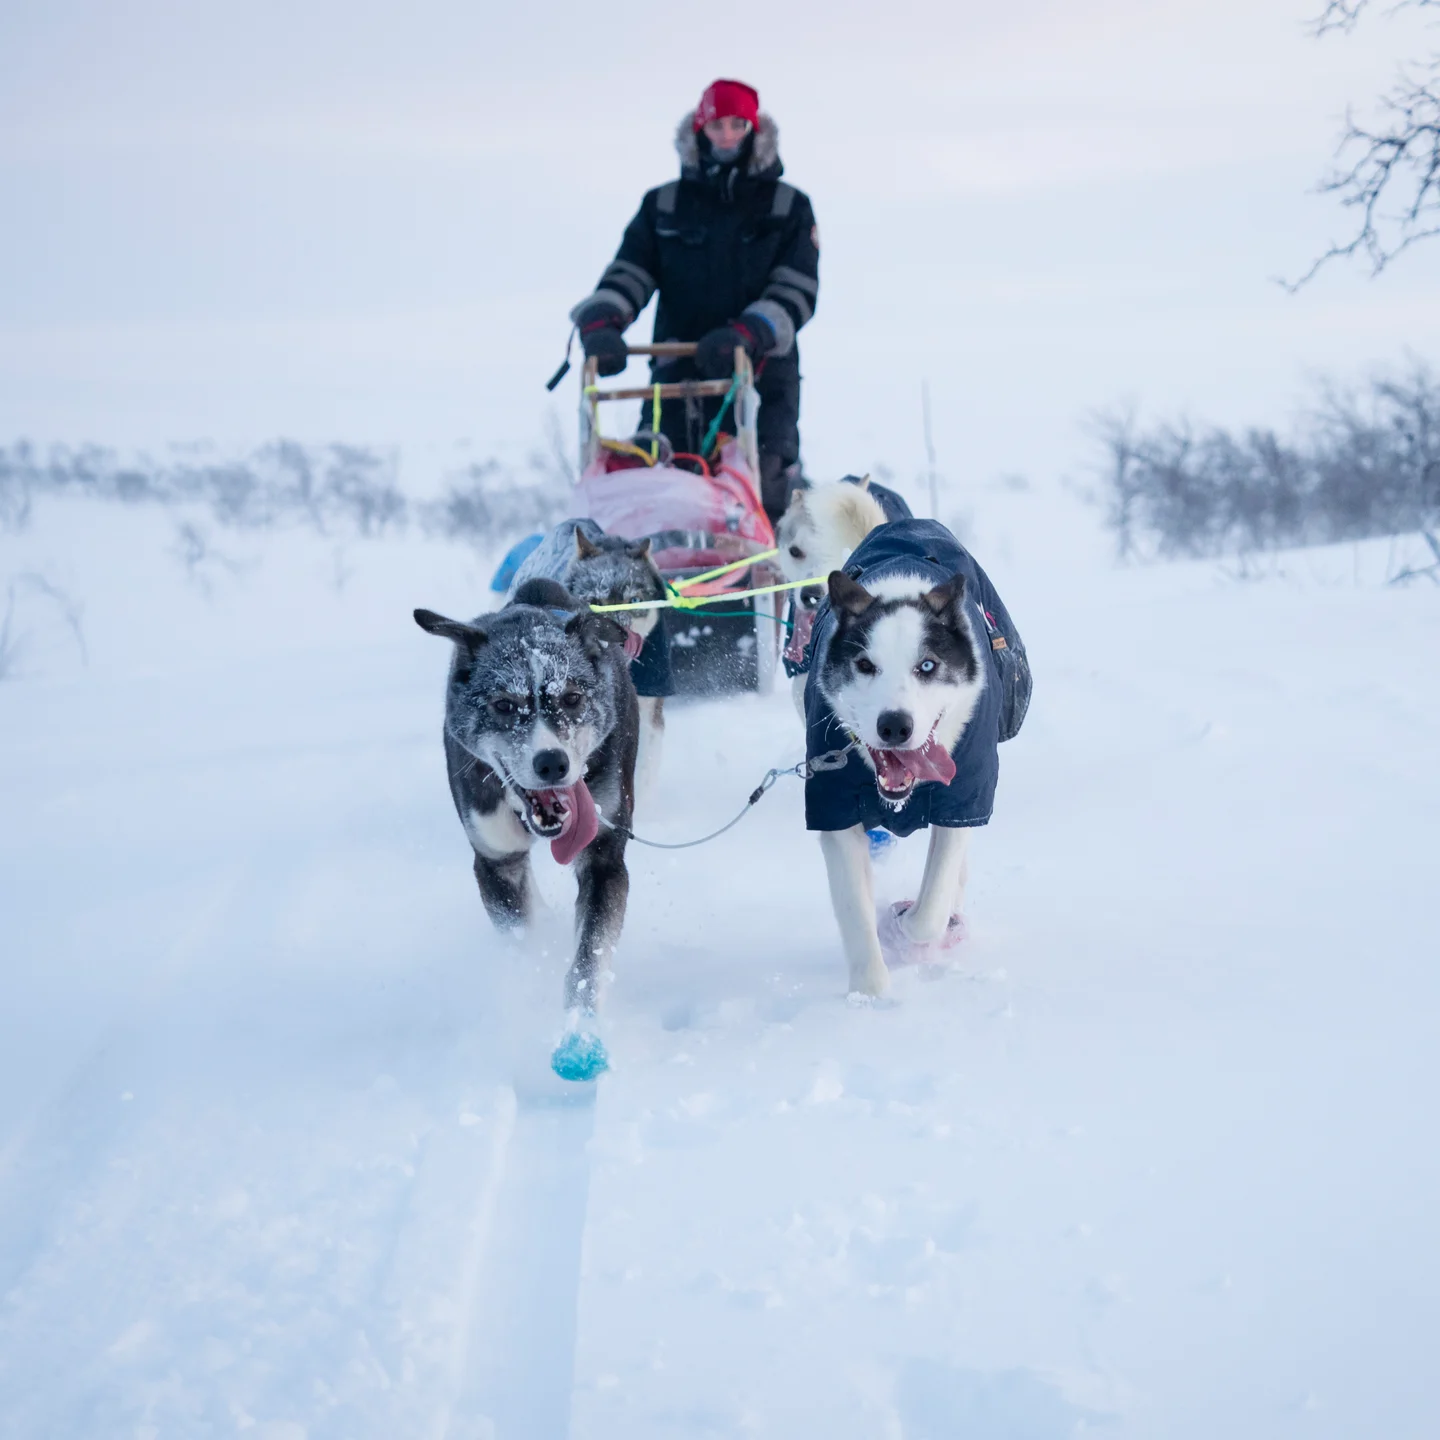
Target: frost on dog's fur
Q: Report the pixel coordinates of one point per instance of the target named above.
(602, 569)
(541, 728)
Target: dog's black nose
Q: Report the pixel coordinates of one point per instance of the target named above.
(811, 596)
(552, 766)
(894, 727)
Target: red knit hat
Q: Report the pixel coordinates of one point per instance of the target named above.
(728, 97)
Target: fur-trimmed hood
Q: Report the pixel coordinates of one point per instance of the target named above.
(764, 162)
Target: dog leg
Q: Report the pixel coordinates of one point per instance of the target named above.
(506, 889)
(604, 887)
(852, 894)
(652, 734)
(942, 891)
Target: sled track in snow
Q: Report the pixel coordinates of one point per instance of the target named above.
(520, 1341)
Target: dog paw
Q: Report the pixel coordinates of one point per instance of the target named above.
(869, 985)
(900, 949)
(580, 1057)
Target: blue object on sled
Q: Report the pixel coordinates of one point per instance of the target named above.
(580, 1057)
(514, 559)
(882, 842)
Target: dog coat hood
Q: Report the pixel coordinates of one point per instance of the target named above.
(840, 799)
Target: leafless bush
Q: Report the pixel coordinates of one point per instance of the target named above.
(1363, 465)
(337, 490)
(331, 488)
(487, 502)
(12, 641)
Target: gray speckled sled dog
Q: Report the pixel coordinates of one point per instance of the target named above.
(541, 726)
(609, 570)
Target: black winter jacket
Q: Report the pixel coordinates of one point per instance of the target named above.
(720, 244)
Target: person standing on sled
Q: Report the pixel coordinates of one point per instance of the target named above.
(734, 253)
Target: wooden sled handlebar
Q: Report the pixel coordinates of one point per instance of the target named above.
(675, 389)
(680, 390)
(664, 349)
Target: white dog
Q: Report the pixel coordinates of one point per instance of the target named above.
(820, 528)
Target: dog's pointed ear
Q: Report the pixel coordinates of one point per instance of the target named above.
(947, 595)
(640, 550)
(796, 503)
(585, 548)
(595, 632)
(849, 597)
(864, 482)
(456, 630)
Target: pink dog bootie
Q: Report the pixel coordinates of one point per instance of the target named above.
(899, 949)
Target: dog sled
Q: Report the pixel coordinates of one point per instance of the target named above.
(701, 513)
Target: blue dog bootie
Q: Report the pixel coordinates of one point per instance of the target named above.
(580, 1056)
(882, 843)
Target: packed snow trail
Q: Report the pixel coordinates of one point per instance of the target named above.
(280, 1154)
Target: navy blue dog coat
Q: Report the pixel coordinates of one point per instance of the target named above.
(841, 798)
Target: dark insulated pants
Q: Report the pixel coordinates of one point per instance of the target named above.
(684, 423)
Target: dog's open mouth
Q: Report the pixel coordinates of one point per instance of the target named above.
(897, 772)
(803, 623)
(564, 815)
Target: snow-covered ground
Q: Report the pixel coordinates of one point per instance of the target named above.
(280, 1155)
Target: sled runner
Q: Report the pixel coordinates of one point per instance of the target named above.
(701, 512)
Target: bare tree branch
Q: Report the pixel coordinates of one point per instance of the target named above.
(1394, 183)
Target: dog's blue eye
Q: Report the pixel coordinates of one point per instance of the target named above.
(925, 667)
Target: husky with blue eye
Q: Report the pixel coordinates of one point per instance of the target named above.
(917, 674)
(541, 728)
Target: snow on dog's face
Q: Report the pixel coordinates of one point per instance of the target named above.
(613, 571)
(902, 673)
(532, 695)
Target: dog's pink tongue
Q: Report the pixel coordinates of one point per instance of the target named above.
(931, 762)
(800, 636)
(634, 644)
(581, 824)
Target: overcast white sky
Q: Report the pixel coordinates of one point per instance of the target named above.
(366, 222)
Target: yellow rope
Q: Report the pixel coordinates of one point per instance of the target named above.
(690, 602)
(626, 448)
(723, 570)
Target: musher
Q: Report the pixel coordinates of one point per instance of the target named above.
(734, 252)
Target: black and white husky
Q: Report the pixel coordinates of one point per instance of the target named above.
(541, 728)
(917, 674)
(604, 569)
